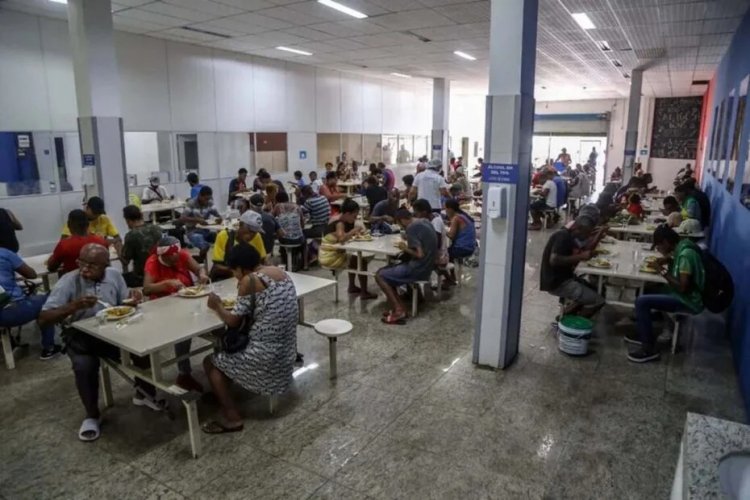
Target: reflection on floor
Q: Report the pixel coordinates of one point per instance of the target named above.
(409, 417)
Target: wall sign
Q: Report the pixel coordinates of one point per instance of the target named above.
(24, 141)
(500, 173)
(437, 147)
(89, 160)
(303, 155)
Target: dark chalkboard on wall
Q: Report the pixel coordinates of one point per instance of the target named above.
(677, 122)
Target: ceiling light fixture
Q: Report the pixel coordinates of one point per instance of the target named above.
(343, 8)
(464, 55)
(64, 2)
(604, 46)
(401, 75)
(583, 21)
(294, 51)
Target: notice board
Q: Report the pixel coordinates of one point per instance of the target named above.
(676, 128)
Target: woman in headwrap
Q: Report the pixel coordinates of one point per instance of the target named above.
(167, 270)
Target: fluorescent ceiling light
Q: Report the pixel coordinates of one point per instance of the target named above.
(401, 75)
(294, 51)
(464, 55)
(604, 46)
(583, 20)
(65, 2)
(343, 8)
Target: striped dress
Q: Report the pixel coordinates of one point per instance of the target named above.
(265, 366)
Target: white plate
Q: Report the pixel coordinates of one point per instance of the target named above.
(205, 291)
(103, 313)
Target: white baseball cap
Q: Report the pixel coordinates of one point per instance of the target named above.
(253, 221)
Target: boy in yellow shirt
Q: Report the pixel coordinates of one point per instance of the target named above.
(99, 223)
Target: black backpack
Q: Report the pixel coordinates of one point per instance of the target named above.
(718, 288)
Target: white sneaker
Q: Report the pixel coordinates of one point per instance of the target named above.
(141, 399)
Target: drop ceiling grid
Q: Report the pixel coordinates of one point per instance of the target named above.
(692, 35)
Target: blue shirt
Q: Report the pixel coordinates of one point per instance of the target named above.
(195, 190)
(9, 262)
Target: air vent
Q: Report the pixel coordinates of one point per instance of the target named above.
(603, 46)
(700, 82)
(656, 53)
(418, 37)
(205, 32)
(617, 63)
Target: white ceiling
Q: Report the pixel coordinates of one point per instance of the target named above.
(678, 41)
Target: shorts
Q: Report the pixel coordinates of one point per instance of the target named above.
(540, 205)
(201, 238)
(579, 293)
(459, 253)
(397, 275)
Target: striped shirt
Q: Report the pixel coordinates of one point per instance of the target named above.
(319, 210)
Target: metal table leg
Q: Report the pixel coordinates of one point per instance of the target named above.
(193, 426)
(10, 361)
(106, 385)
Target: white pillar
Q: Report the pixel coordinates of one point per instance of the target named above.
(631, 132)
(508, 134)
(441, 98)
(98, 97)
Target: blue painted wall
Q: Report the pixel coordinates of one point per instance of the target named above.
(730, 226)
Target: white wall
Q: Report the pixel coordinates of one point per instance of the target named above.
(169, 86)
(142, 153)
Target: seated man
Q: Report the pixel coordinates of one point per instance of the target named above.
(557, 273)
(74, 297)
(271, 228)
(17, 308)
(318, 210)
(140, 243)
(685, 277)
(197, 212)
(384, 213)
(65, 255)
(99, 222)
(546, 200)
(421, 247)
(167, 270)
(250, 230)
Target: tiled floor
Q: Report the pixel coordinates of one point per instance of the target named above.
(408, 417)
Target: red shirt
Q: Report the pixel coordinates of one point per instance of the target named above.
(635, 209)
(159, 272)
(68, 249)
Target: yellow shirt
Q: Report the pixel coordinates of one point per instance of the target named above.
(220, 246)
(101, 226)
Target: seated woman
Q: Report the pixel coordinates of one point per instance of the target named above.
(16, 308)
(272, 190)
(290, 219)
(634, 206)
(341, 230)
(266, 311)
(167, 271)
(462, 233)
(672, 211)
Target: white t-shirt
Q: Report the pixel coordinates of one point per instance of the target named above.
(315, 185)
(439, 226)
(150, 195)
(428, 185)
(551, 194)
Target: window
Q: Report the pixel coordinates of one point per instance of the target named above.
(271, 151)
(372, 149)
(421, 146)
(390, 146)
(405, 153)
(351, 144)
(33, 163)
(329, 149)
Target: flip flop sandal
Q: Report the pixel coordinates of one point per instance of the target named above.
(89, 430)
(216, 427)
(392, 319)
(386, 313)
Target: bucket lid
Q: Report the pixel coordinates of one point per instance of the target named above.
(577, 323)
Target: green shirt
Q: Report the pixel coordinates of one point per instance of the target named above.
(139, 243)
(688, 261)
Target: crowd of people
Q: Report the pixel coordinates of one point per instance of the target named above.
(680, 262)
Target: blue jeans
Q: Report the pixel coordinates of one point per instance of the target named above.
(24, 311)
(643, 307)
(201, 238)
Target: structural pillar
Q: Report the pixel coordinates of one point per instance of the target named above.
(98, 98)
(441, 98)
(506, 179)
(631, 133)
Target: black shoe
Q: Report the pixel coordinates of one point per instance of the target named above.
(632, 338)
(50, 353)
(641, 356)
(300, 359)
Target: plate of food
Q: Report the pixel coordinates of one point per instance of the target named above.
(602, 251)
(647, 267)
(117, 313)
(193, 292)
(363, 237)
(650, 227)
(651, 259)
(228, 302)
(600, 263)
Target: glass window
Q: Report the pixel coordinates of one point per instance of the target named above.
(737, 133)
(372, 148)
(351, 144)
(271, 151)
(67, 150)
(714, 134)
(150, 153)
(187, 153)
(329, 149)
(421, 146)
(405, 153)
(390, 146)
(30, 163)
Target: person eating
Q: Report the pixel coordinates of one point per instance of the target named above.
(260, 356)
(78, 295)
(197, 212)
(330, 189)
(421, 246)
(384, 213)
(167, 270)
(65, 256)
(341, 230)
(250, 230)
(99, 223)
(139, 244)
(155, 192)
(238, 185)
(462, 232)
